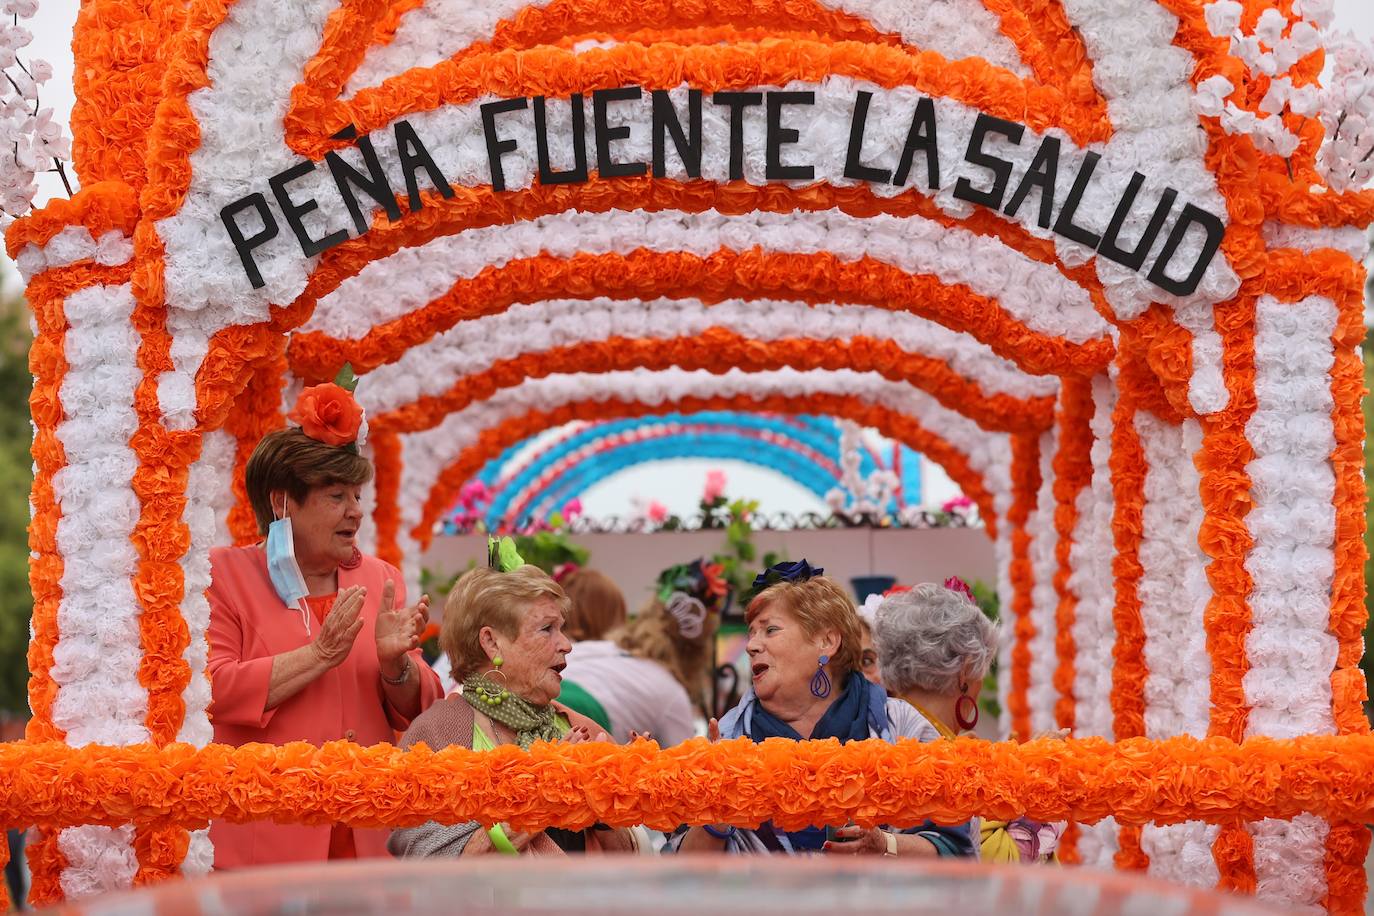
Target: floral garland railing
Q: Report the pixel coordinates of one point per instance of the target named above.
(793, 783)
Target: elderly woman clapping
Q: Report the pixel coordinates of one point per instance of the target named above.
(310, 639)
(804, 651)
(935, 646)
(503, 634)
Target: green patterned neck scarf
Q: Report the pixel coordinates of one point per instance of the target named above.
(529, 722)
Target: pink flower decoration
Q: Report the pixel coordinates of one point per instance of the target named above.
(474, 492)
(955, 584)
(656, 512)
(959, 502)
(572, 509)
(715, 486)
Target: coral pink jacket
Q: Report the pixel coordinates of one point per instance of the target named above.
(248, 625)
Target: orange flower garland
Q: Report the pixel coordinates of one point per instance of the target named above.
(119, 48)
(1073, 472)
(1127, 465)
(719, 349)
(792, 782)
(1025, 487)
(316, 113)
(386, 462)
(256, 412)
(726, 274)
(164, 455)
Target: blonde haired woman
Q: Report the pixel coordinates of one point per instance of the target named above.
(503, 634)
(648, 675)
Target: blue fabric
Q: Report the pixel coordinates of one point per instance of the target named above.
(738, 722)
(846, 719)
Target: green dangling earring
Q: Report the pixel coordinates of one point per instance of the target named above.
(490, 693)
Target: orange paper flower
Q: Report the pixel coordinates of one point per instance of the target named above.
(328, 414)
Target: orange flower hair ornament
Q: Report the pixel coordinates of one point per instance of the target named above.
(328, 413)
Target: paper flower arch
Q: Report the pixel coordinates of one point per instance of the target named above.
(998, 231)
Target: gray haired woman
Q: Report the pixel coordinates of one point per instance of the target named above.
(935, 646)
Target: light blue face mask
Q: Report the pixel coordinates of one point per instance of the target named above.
(283, 569)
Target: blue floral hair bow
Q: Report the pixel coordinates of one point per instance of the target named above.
(796, 571)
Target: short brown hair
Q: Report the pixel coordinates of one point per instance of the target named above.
(597, 604)
(484, 597)
(289, 460)
(818, 603)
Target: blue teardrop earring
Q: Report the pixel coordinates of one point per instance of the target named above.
(820, 681)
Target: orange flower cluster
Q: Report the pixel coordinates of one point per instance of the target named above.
(521, 59)
(894, 425)
(1073, 473)
(256, 412)
(794, 783)
(717, 349)
(99, 207)
(726, 274)
(1025, 488)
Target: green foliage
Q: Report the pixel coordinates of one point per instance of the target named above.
(737, 560)
(16, 479)
(986, 596)
(550, 549)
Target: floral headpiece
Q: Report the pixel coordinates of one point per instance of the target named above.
(795, 571)
(328, 413)
(701, 580)
(502, 555)
(955, 584)
(690, 592)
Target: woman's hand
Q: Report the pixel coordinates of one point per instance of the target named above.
(398, 631)
(854, 840)
(341, 627)
(580, 734)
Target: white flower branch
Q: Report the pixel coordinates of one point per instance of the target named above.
(1277, 43)
(29, 136)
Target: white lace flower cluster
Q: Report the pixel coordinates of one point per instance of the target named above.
(1275, 45)
(31, 141)
(858, 496)
(1346, 158)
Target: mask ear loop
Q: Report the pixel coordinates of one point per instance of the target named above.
(301, 604)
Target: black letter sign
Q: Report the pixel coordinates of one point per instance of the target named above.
(497, 148)
(245, 246)
(605, 134)
(1135, 259)
(374, 183)
(737, 101)
(1043, 171)
(294, 211)
(413, 155)
(1214, 229)
(779, 135)
(578, 172)
(1000, 168)
(921, 136)
(688, 145)
(853, 159)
